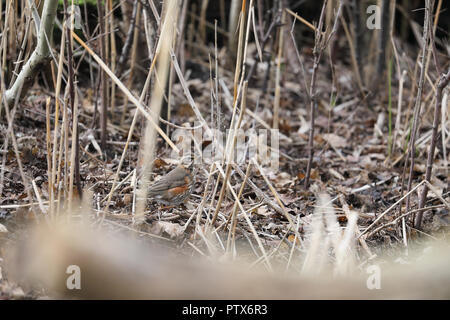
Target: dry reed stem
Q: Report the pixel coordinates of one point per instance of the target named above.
(199, 210)
(52, 177)
(129, 136)
(277, 197)
(402, 217)
(391, 207)
(247, 219)
(317, 53)
(73, 151)
(48, 143)
(122, 87)
(353, 57)
(155, 105)
(302, 20)
(232, 232)
(237, 70)
(230, 153)
(399, 107)
(10, 120)
(291, 253)
(38, 197)
(362, 240)
(418, 104)
(443, 82)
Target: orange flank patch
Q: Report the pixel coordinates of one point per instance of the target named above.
(178, 190)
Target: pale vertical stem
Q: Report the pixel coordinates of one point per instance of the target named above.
(73, 152)
(55, 130)
(237, 70)
(49, 146)
(232, 23)
(231, 151)
(232, 231)
(155, 104)
(399, 108)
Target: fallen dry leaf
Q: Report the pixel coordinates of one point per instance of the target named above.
(334, 140)
(174, 230)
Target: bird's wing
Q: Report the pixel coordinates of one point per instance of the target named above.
(158, 186)
(173, 179)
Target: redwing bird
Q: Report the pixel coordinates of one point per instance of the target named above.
(173, 188)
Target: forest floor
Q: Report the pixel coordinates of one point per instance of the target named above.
(351, 162)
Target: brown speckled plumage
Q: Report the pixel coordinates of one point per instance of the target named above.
(174, 188)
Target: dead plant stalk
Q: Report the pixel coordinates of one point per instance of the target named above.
(320, 43)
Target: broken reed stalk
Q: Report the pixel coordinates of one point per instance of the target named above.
(443, 82)
(418, 104)
(302, 20)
